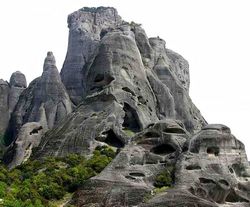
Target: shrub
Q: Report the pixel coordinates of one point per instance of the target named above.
(165, 178)
(37, 182)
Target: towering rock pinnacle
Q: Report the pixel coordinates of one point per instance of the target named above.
(49, 62)
(18, 79)
(127, 82)
(4, 118)
(43, 104)
(85, 28)
(17, 85)
(9, 96)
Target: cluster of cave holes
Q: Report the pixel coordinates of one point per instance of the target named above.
(112, 140)
(213, 151)
(131, 120)
(36, 130)
(163, 149)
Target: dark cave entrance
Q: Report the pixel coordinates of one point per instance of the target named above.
(213, 150)
(163, 149)
(112, 139)
(131, 120)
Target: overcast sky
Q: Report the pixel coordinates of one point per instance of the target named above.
(213, 35)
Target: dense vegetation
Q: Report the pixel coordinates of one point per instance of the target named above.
(39, 183)
(165, 178)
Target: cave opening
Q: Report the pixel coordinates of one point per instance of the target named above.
(112, 139)
(131, 120)
(233, 197)
(213, 150)
(163, 149)
(174, 131)
(36, 130)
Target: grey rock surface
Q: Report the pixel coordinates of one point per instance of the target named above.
(85, 29)
(17, 85)
(29, 137)
(4, 94)
(9, 96)
(18, 79)
(131, 93)
(214, 170)
(45, 101)
(130, 177)
(122, 86)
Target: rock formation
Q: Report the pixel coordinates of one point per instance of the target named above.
(44, 102)
(129, 81)
(131, 93)
(86, 26)
(9, 96)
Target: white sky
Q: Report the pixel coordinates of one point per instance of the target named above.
(213, 35)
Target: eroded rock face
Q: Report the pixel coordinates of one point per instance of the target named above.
(9, 96)
(4, 118)
(122, 86)
(131, 93)
(17, 85)
(45, 100)
(86, 26)
(130, 177)
(214, 169)
(29, 136)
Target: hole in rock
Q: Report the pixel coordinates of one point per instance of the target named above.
(232, 197)
(193, 167)
(174, 131)
(130, 177)
(142, 100)
(201, 192)
(231, 170)
(131, 120)
(128, 90)
(112, 139)
(185, 149)
(213, 150)
(103, 80)
(36, 130)
(104, 32)
(238, 169)
(224, 182)
(191, 190)
(136, 174)
(151, 134)
(99, 78)
(206, 181)
(163, 149)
